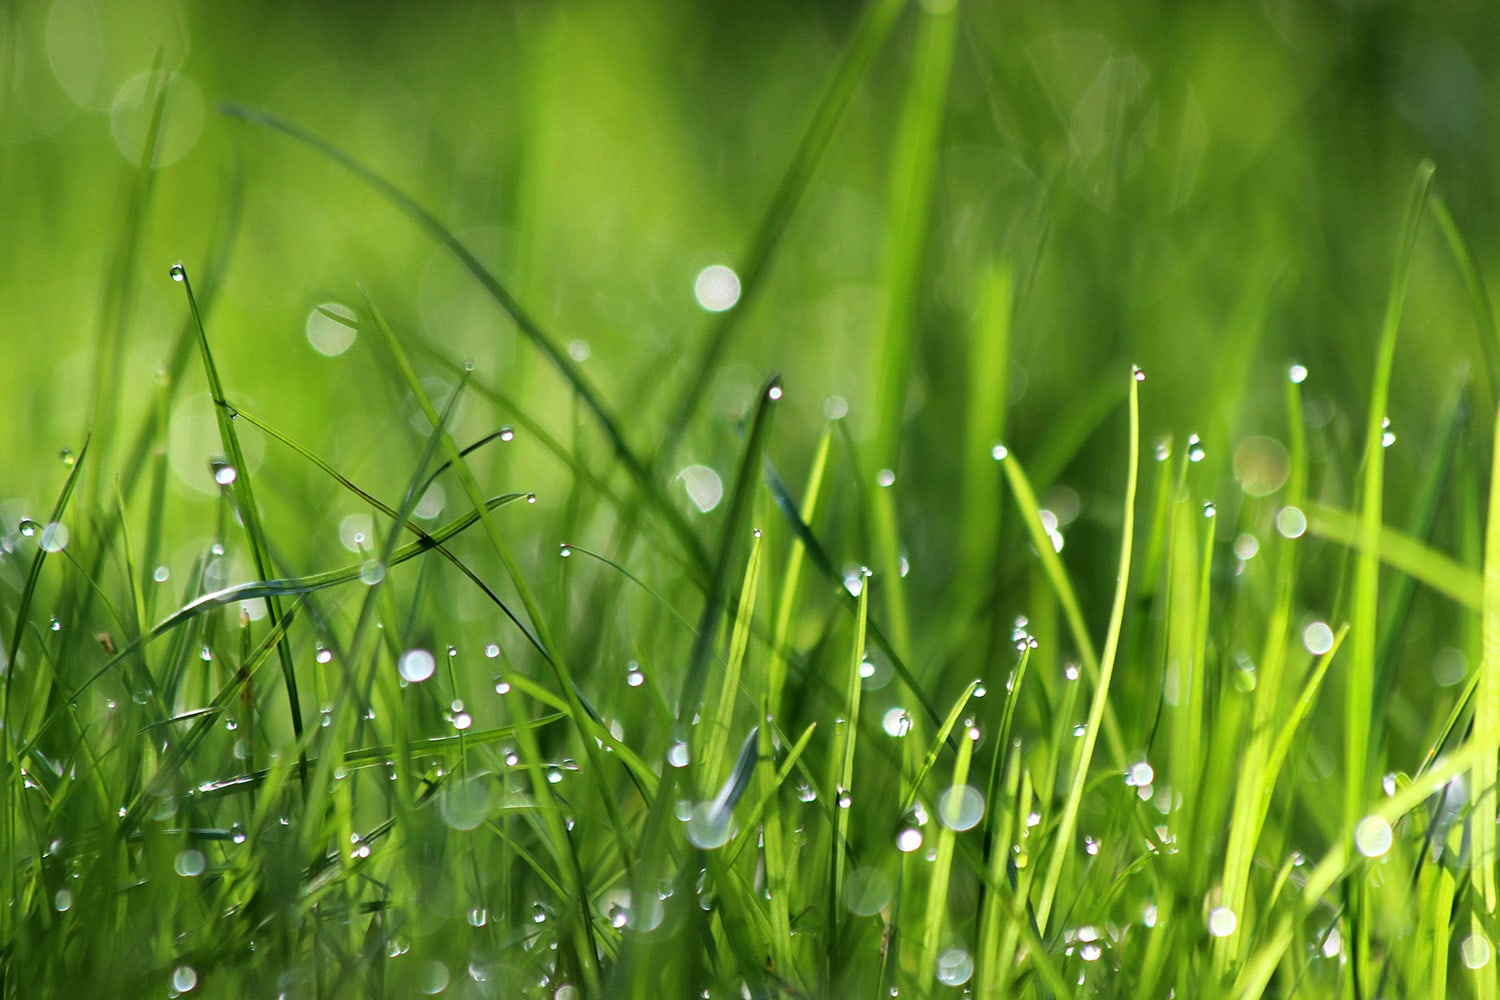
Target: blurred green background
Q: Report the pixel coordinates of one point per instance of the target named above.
(1210, 191)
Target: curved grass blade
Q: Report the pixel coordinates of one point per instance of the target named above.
(1365, 611)
(1062, 846)
(734, 529)
(869, 37)
(244, 498)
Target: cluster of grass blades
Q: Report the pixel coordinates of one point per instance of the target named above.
(724, 758)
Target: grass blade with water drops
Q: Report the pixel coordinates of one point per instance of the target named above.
(235, 476)
(1062, 845)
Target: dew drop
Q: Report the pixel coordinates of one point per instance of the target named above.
(67, 456)
(773, 393)
(885, 478)
(63, 901)
(565, 550)
(416, 665)
(27, 526)
(954, 967)
(1297, 373)
(896, 722)
(507, 434)
(1373, 836)
(1291, 522)
(1195, 452)
(1318, 638)
(371, 572)
(579, 350)
(55, 537)
(999, 452)
(677, 754)
(161, 574)
(1387, 436)
(1222, 921)
(178, 272)
(1209, 510)
(184, 977)
(717, 288)
(1139, 375)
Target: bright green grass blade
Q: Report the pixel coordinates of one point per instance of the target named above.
(715, 728)
(917, 143)
(244, 496)
(869, 37)
(1057, 576)
(734, 528)
(913, 785)
(1062, 845)
(525, 323)
(843, 768)
(951, 817)
(984, 424)
(1484, 739)
(1442, 573)
(1364, 615)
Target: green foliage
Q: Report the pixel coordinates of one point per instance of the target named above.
(869, 626)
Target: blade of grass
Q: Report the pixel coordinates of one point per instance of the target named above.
(1364, 614)
(244, 497)
(909, 209)
(1062, 846)
(869, 37)
(1484, 738)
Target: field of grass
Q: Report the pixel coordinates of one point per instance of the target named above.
(595, 499)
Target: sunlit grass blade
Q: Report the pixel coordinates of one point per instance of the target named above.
(777, 662)
(842, 777)
(1398, 550)
(1062, 845)
(1057, 576)
(1484, 739)
(952, 815)
(716, 725)
(1364, 613)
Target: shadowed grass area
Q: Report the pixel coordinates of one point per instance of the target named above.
(886, 499)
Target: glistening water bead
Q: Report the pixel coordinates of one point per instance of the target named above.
(178, 272)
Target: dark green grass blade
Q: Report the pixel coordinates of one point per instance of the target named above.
(244, 497)
(735, 531)
(869, 37)
(525, 323)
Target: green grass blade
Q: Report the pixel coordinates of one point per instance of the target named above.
(909, 208)
(1484, 738)
(244, 496)
(1062, 846)
(1364, 617)
(869, 37)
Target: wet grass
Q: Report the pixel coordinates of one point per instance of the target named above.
(513, 699)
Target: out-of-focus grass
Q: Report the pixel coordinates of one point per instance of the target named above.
(532, 558)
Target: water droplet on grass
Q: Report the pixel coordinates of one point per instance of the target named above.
(954, 967)
(960, 808)
(896, 722)
(67, 457)
(1387, 436)
(677, 754)
(1209, 510)
(885, 478)
(565, 550)
(579, 350)
(178, 272)
(999, 452)
(1136, 372)
(1318, 638)
(1373, 836)
(55, 537)
(704, 487)
(1222, 921)
(507, 433)
(371, 572)
(27, 527)
(717, 288)
(1195, 449)
(416, 665)
(190, 863)
(1475, 951)
(1291, 522)
(184, 978)
(1297, 373)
